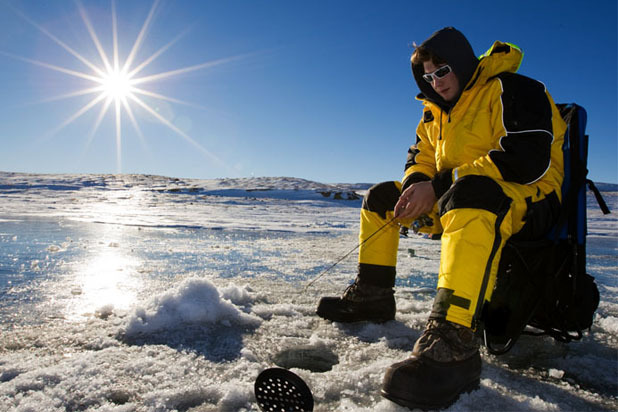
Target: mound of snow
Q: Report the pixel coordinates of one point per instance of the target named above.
(193, 302)
(240, 296)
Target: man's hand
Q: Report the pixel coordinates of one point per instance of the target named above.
(417, 199)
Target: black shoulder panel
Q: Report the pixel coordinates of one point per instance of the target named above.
(527, 118)
(525, 102)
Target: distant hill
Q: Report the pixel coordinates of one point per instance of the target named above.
(22, 181)
(607, 187)
(256, 187)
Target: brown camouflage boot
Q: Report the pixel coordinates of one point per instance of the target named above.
(445, 363)
(360, 302)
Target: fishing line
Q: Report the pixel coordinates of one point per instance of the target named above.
(280, 389)
(325, 271)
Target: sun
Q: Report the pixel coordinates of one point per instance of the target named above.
(116, 83)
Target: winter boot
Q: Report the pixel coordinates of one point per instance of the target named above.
(445, 362)
(360, 302)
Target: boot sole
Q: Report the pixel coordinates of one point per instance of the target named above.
(344, 317)
(410, 404)
(350, 319)
(335, 310)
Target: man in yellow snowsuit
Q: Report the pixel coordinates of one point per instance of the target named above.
(487, 165)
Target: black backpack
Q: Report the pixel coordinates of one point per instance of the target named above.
(543, 284)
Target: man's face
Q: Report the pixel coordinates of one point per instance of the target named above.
(448, 86)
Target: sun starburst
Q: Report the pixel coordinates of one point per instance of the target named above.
(117, 85)
(115, 82)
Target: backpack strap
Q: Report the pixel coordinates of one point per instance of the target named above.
(597, 195)
(578, 171)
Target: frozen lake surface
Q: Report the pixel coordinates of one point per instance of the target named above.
(146, 293)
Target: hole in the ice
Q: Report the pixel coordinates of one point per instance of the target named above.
(312, 358)
(119, 397)
(9, 375)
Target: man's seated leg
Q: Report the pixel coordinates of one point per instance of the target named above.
(371, 296)
(445, 362)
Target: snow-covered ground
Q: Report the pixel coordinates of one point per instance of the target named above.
(145, 293)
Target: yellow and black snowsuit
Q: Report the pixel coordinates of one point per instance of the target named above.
(494, 159)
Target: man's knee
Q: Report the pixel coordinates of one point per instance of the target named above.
(382, 198)
(475, 192)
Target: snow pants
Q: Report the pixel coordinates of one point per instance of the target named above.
(476, 216)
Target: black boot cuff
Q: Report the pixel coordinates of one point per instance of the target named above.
(377, 275)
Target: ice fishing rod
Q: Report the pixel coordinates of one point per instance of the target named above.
(328, 269)
(281, 389)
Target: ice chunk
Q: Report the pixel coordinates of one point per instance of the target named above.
(609, 323)
(248, 355)
(279, 309)
(195, 301)
(53, 248)
(237, 295)
(556, 373)
(104, 312)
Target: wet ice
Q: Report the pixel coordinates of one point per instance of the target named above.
(144, 293)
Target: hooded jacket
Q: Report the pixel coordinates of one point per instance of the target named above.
(502, 125)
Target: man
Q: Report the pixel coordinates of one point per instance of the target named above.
(487, 165)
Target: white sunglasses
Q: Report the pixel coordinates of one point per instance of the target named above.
(438, 74)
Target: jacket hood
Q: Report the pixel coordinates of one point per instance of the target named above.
(451, 46)
(501, 57)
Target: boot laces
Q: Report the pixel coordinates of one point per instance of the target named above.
(358, 292)
(445, 341)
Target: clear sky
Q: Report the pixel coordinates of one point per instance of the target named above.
(320, 89)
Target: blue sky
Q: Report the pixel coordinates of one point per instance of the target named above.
(320, 90)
